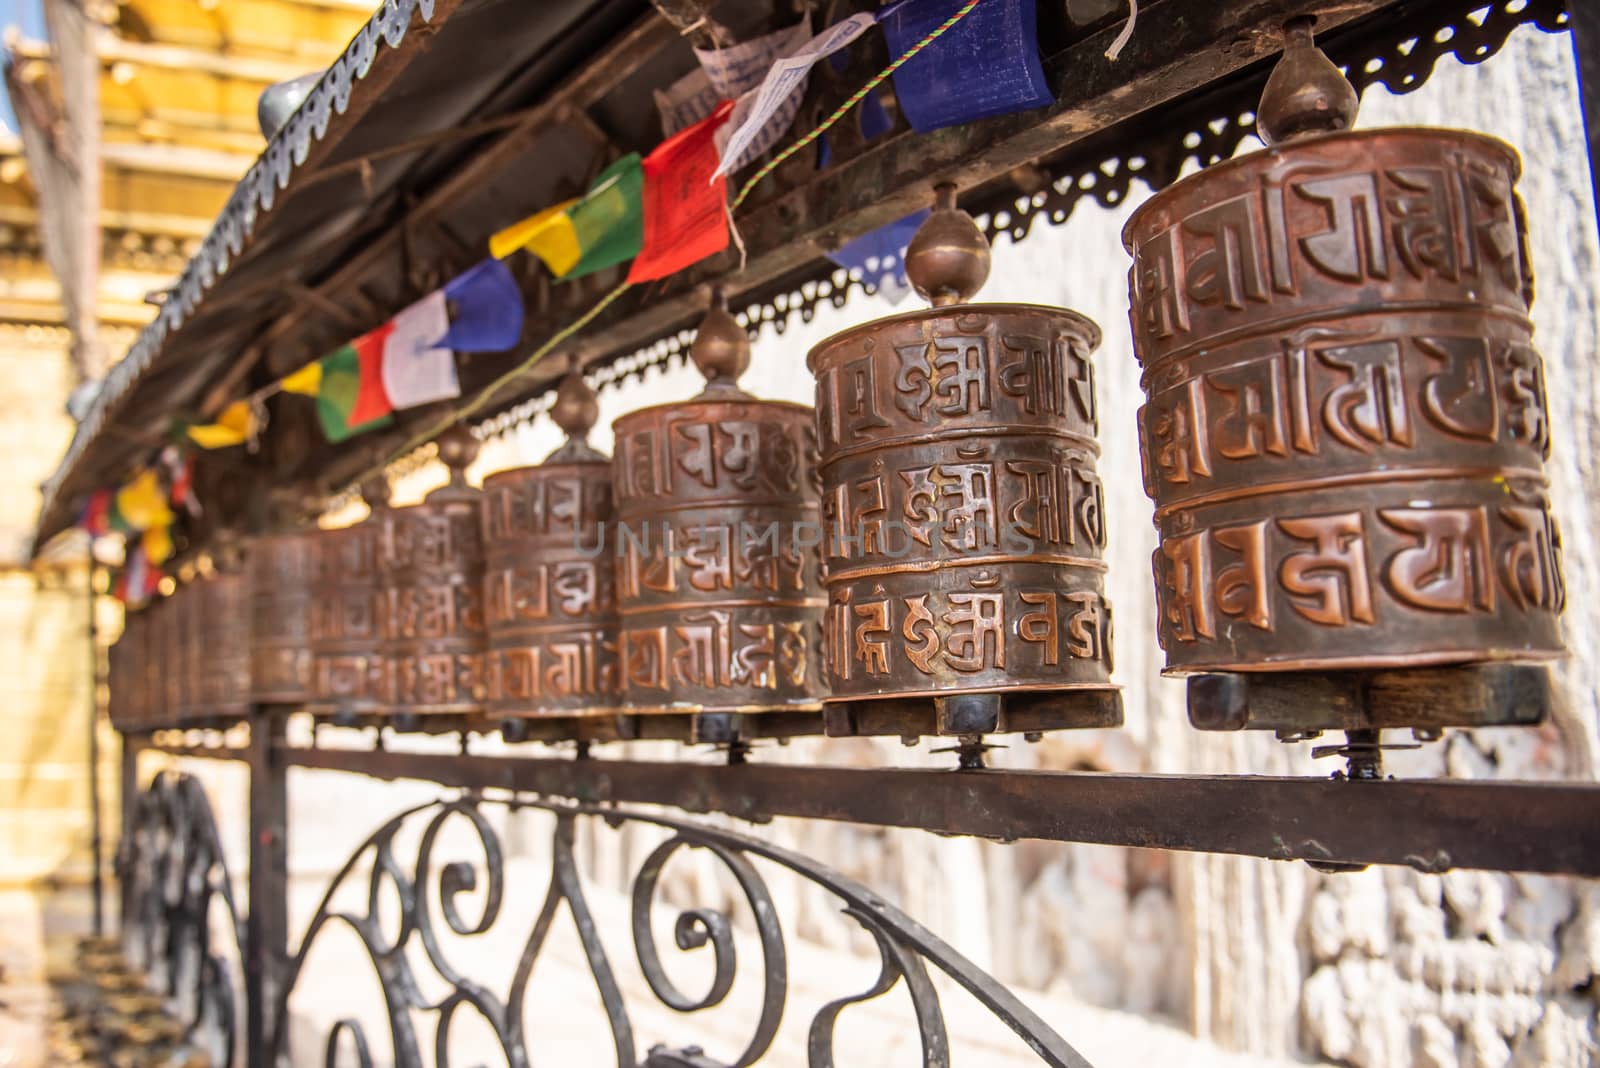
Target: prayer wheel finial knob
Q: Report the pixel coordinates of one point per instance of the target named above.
(375, 491)
(947, 261)
(721, 347)
(1306, 94)
(457, 449)
(576, 408)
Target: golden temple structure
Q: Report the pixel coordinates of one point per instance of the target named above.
(171, 89)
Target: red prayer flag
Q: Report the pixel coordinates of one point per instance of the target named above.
(685, 218)
(372, 402)
(96, 517)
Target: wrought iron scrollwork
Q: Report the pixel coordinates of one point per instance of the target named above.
(176, 890)
(905, 947)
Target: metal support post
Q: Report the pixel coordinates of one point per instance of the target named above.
(267, 927)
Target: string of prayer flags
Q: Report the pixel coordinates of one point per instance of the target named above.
(986, 65)
(142, 503)
(734, 73)
(685, 201)
(234, 425)
(415, 368)
(486, 309)
(784, 78)
(609, 220)
(548, 234)
(350, 396)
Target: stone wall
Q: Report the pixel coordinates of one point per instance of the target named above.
(44, 656)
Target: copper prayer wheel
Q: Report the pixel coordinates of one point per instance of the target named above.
(549, 594)
(432, 620)
(965, 517)
(717, 527)
(220, 637)
(347, 662)
(151, 675)
(123, 681)
(176, 636)
(1345, 428)
(282, 577)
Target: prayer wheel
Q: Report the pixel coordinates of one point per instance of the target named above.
(282, 577)
(1345, 425)
(123, 679)
(347, 663)
(716, 531)
(433, 622)
(151, 673)
(549, 593)
(177, 634)
(965, 517)
(220, 637)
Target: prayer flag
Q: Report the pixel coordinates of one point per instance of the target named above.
(608, 220)
(416, 369)
(736, 73)
(142, 503)
(180, 479)
(157, 545)
(344, 384)
(880, 256)
(487, 309)
(96, 516)
(784, 78)
(371, 400)
(987, 64)
(307, 381)
(548, 234)
(235, 425)
(685, 201)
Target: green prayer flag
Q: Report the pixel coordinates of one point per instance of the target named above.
(609, 220)
(338, 393)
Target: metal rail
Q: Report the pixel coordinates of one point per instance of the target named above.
(1430, 825)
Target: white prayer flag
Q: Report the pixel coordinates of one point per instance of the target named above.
(785, 80)
(415, 370)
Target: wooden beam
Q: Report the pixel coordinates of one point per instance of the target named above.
(1176, 52)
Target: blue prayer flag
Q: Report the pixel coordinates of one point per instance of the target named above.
(486, 312)
(881, 256)
(987, 64)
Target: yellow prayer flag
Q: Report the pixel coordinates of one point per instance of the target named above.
(234, 426)
(548, 234)
(142, 503)
(307, 381)
(157, 544)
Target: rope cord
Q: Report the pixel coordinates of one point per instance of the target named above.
(855, 98)
(566, 332)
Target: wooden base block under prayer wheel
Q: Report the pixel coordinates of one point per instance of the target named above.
(715, 548)
(965, 519)
(1345, 426)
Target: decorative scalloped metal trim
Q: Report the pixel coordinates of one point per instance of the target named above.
(250, 201)
(1206, 132)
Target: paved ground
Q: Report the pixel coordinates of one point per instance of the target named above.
(563, 1013)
